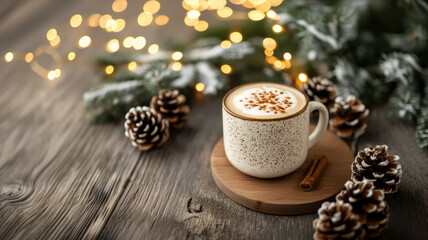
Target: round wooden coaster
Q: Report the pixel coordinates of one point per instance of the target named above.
(283, 195)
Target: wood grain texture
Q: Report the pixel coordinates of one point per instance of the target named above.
(283, 195)
(62, 178)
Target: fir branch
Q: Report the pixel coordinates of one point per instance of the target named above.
(111, 101)
(399, 67)
(422, 129)
(405, 104)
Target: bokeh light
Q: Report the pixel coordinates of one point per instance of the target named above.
(76, 20)
(84, 42)
(226, 68)
(235, 37)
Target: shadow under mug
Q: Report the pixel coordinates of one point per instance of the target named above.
(269, 148)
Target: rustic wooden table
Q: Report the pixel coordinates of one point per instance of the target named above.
(63, 178)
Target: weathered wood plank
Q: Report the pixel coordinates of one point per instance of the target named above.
(60, 176)
(173, 195)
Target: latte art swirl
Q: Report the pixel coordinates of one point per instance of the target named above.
(265, 100)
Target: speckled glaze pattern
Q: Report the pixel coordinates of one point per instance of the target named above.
(266, 149)
(269, 149)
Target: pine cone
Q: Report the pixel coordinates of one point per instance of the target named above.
(320, 89)
(348, 117)
(377, 166)
(146, 128)
(368, 203)
(376, 222)
(337, 221)
(171, 104)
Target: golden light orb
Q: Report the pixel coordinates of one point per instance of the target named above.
(271, 14)
(268, 52)
(120, 25)
(113, 45)
(128, 42)
(226, 68)
(109, 69)
(224, 12)
(104, 19)
(51, 75)
(51, 34)
(226, 44)
(161, 20)
(287, 56)
(119, 5)
(235, 37)
(56, 41)
(216, 4)
(154, 48)
(71, 56)
(263, 6)
(201, 26)
(8, 56)
(193, 14)
(199, 87)
(76, 20)
(94, 20)
(303, 77)
(190, 21)
(29, 57)
(144, 19)
(151, 6)
(57, 73)
(256, 15)
(132, 66)
(177, 55)
(277, 28)
(269, 43)
(275, 3)
(176, 66)
(139, 43)
(84, 42)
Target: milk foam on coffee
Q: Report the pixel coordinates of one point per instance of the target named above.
(265, 101)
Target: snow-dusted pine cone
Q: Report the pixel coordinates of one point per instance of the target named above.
(377, 166)
(337, 221)
(172, 105)
(320, 89)
(348, 117)
(146, 128)
(369, 203)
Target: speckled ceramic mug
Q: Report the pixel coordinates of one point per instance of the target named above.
(274, 147)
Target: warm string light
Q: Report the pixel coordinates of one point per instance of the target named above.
(226, 69)
(199, 87)
(258, 10)
(303, 77)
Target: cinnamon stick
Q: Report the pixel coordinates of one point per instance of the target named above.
(313, 173)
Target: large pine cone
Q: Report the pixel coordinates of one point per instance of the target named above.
(337, 221)
(146, 128)
(369, 203)
(377, 166)
(172, 105)
(320, 89)
(348, 117)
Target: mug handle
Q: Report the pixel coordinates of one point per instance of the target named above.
(322, 122)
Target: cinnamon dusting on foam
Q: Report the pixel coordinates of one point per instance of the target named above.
(265, 100)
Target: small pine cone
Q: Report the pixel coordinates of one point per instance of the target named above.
(348, 117)
(369, 203)
(337, 221)
(171, 104)
(146, 128)
(377, 166)
(376, 222)
(320, 89)
(363, 197)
